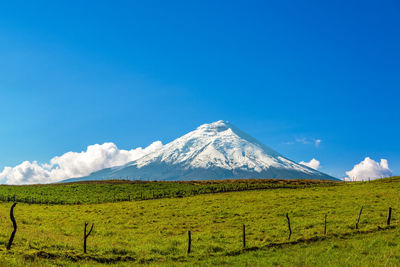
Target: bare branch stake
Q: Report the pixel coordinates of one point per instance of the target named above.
(14, 225)
(359, 215)
(85, 236)
(244, 236)
(389, 216)
(189, 242)
(290, 229)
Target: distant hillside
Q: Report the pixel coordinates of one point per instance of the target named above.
(122, 190)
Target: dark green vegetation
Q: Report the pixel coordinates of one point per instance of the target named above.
(155, 231)
(122, 190)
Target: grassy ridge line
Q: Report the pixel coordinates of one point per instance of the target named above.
(91, 192)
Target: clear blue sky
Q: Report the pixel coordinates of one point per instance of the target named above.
(76, 73)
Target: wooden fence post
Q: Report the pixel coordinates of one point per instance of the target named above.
(85, 236)
(389, 216)
(189, 242)
(14, 225)
(325, 225)
(290, 229)
(244, 236)
(359, 215)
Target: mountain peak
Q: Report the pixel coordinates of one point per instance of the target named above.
(217, 126)
(217, 150)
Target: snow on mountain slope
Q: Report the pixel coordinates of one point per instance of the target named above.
(217, 150)
(218, 144)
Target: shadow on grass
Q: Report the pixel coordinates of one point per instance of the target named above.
(76, 257)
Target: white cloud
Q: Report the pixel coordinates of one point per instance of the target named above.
(369, 169)
(74, 164)
(303, 141)
(317, 142)
(314, 164)
(306, 141)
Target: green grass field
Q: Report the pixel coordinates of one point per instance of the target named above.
(154, 231)
(121, 190)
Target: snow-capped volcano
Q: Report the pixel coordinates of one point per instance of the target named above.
(217, 150)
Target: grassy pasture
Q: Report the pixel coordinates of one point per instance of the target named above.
(155, 231)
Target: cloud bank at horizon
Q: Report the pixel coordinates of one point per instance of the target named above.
(97, 157)
(369, 169)
(73, 164)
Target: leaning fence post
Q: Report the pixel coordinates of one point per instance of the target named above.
(189, 242)
(389, 216)
(325, 225)
(290, 229)
(85, 236)
(244, 236)
(14, 225)
(359, 215)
